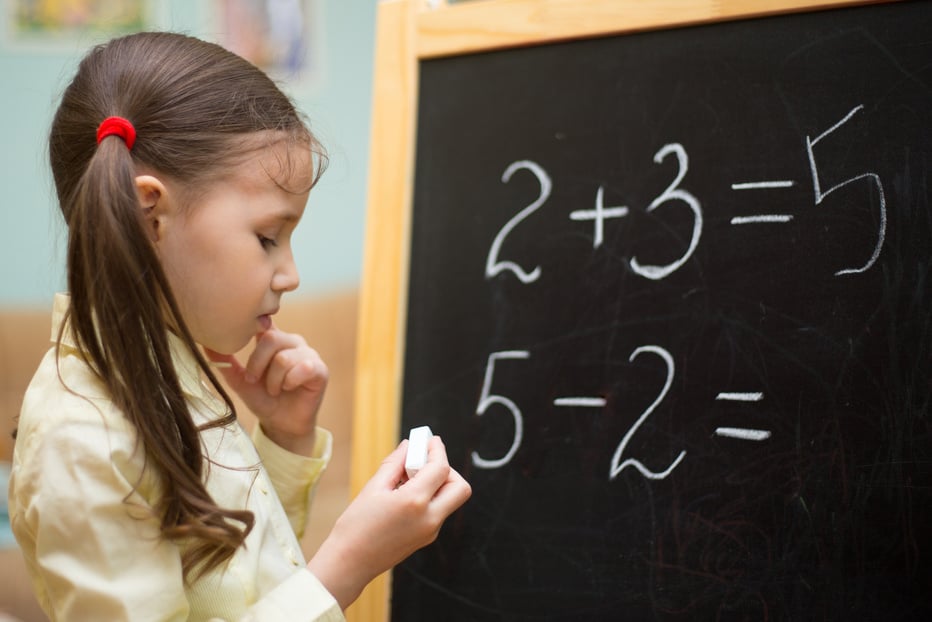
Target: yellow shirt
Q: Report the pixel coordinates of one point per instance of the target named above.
(81, 507)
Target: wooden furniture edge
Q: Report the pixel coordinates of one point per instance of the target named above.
(482, 25)
(382, 305)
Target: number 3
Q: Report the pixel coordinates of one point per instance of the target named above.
(673, 192)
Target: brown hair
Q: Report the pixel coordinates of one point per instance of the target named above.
(194, 106)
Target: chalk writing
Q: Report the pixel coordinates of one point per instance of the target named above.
(617, 468)
(675, 193)
(754, 185)
(488, 399)
(743, 433)
(821, 196)
(493, 266)
(598, 215)
(762, 218)
(740, 397)
(592, 402)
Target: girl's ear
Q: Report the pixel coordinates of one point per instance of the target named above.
(153, 200)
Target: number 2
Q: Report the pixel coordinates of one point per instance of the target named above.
(618, 468)
(493, 266)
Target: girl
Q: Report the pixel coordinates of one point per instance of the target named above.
(181, 171)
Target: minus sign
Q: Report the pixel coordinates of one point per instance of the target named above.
(768, 218)
(744, 434)
(740, 397)
(594, 402)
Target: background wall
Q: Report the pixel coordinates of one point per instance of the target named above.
(328, 242)
(337, 99)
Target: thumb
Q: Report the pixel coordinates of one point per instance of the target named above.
(391, 473)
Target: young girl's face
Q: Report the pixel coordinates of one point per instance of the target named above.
(228, 255)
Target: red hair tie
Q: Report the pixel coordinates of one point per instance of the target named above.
(118, 126)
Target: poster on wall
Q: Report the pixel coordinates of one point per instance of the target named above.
(56, 20)
(282, 37)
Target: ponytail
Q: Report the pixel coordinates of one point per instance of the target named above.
(120, 303)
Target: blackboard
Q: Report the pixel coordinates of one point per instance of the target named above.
(668, 306)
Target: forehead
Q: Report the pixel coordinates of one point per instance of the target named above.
(288, 164)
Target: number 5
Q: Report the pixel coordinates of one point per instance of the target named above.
(820, 195)
(486, 400)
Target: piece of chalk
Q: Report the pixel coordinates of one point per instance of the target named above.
(417, 449)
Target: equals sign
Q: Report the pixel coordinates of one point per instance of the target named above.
(744, 434)
(762, 218)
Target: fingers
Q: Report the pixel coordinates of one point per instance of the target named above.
(228, 366)
(268, 344)
(445, 487)
(452, 490)
(306, 371)
(284, 362)
(386, 522)
(452, 494)
(391, 472)
(434, 472)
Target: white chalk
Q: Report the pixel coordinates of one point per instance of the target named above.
(417, 449)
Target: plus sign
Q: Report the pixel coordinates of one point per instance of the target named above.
(598, 215)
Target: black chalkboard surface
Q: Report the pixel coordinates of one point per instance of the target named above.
(669, 308)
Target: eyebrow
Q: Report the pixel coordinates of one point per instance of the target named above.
(287, 217)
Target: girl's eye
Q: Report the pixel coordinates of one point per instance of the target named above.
(266, 242)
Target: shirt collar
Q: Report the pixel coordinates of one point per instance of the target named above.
(189, 372)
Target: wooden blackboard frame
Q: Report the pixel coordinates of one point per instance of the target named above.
(407, 32)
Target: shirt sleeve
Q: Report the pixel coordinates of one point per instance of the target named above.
(300, 597)
(97, 542)
(294, 477)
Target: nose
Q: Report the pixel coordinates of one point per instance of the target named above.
(286, 277)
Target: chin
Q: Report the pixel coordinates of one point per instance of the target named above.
(227, 347)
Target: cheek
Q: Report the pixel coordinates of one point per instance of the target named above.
(215, 277)
(200, 264)
(197, 286)
(176, 275)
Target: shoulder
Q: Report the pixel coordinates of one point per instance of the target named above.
(73, 444)
(64, 396)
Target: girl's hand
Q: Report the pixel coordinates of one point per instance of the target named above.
(392, 517)
(283, 384)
